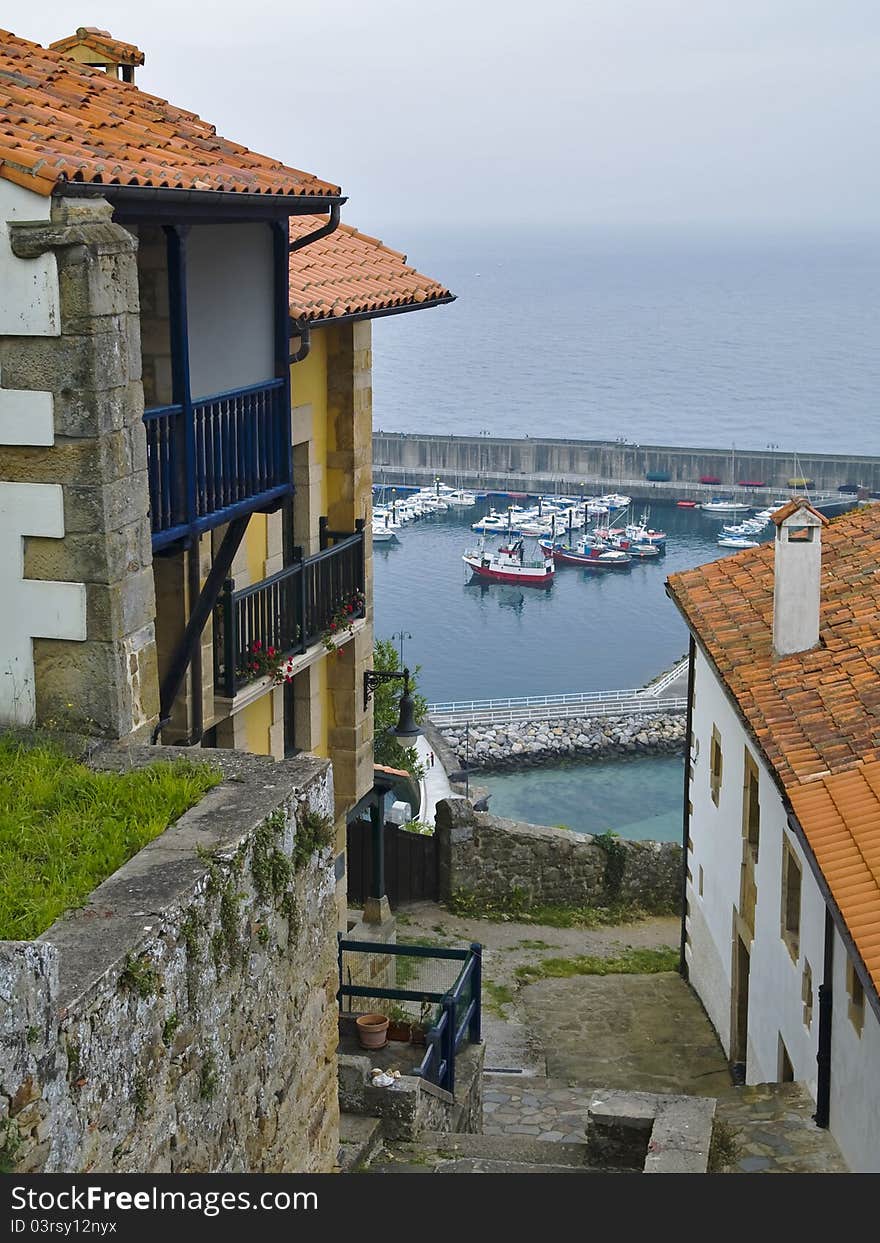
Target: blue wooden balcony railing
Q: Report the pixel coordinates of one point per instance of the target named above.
(457, 1010)
(287, 612)
(217, 459)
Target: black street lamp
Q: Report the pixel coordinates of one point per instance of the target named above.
(406, 729)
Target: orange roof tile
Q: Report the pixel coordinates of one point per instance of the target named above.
(840, 815)
(350, 273)
(102, 42)
(62, 121)
(815, 715)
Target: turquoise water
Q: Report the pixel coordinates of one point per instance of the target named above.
(645, 794)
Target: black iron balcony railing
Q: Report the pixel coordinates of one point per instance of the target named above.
(287, 613)
(217, 458)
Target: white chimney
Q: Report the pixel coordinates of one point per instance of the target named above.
(797, 577)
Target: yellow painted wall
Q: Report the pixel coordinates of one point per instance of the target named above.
(328, 719)
(255, 544)
(308, 386)
(257, 722)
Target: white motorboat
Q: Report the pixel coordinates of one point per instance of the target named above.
(725, 507)
(736, 541)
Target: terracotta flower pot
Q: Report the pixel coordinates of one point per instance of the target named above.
(372, 1030)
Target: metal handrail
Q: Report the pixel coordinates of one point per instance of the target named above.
(288, 611)
(445, 1037)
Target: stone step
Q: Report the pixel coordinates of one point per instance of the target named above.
(441, 1154)
(360, 1137)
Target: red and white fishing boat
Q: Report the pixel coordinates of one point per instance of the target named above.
(590, 556)
(508, 564)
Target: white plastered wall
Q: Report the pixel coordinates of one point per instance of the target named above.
(29, 306)
(230, 306)
(776, 1006)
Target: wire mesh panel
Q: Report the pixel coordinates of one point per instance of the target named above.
(426, 980)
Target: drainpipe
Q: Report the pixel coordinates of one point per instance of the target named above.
(685, 814)
(302, 329)
(324, 231)
(195, 668)
(823, 1054)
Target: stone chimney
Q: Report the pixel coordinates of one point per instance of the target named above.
(797, 577)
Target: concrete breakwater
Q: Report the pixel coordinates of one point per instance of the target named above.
(652, 472)
(517, 744)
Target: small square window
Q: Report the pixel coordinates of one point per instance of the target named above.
(716, 765)
(856, 995)
(791, 900)
(807, 995)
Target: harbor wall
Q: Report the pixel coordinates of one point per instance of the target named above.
(491, 862)
(494, 463)
(517, 744)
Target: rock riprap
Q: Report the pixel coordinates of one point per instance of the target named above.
(514, 744)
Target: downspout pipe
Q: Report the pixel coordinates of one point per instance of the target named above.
(822, 1115)
(301, 328)
(324, 231)
(686, 818)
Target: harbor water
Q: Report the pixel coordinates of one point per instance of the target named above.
(639, 798)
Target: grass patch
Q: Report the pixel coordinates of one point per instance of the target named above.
(65, 828)
(497, 997)
(630, 962)
(516, 909)
(724, 1147)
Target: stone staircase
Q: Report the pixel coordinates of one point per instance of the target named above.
(433, 1153)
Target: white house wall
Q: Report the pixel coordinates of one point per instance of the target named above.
(776, 1005)
(855, 1078)
(230, 307)
(28, 287)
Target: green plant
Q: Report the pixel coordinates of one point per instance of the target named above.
(347, 612)
(386, 749)
(169, 1027)
(138, 975)
(724, 1147)
(75, 1069)
(208, 1078)
(473, 905)
(262, 660)
(270, 867)
(418, 826)
(10, 1142)
(629, 962)
(33, 1035)
(314, 831)
(615, 863)
(140, 1094)
(191, 934)
(498, 997)
(64, 828)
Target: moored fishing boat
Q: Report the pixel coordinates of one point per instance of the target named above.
(508, 564)
(590, 556)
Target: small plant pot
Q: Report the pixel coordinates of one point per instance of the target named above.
(372, 1030)
(400, 1031)
(419, 1035)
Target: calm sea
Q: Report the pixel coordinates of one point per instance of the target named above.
(673, 339)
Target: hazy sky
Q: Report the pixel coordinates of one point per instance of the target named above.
(716, 113)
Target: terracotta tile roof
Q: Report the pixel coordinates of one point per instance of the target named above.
(62, 121)
(841, 816)
(102, 42)
(816, 714)
(350, 273)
